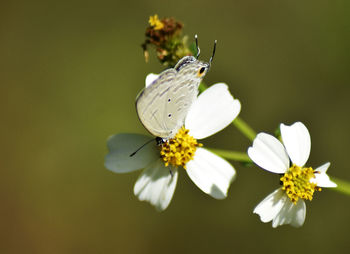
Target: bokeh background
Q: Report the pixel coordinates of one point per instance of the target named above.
(70, 71)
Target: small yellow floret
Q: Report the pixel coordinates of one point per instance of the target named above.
(155, 22)
(296, 183)
(180, 149)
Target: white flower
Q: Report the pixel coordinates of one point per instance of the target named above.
(212, 111)
(286, 205)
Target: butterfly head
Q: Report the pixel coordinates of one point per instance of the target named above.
(202, 69)
(198, 67)
(191, 63)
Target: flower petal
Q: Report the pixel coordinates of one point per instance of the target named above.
(278, 208)
(321, 178)
(323, 168)
(210, 173)
(150, 78)
(121, 146)
(156, 185)
(268, 153)
(213, 110)
(291, 214)
(299, 214)
(296, 139)
(271, 205)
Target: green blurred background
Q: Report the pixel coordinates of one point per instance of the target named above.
(70, 72)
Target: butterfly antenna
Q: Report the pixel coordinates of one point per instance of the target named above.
(212, 56)
(138, 149)
(198, 49)
(158, 140)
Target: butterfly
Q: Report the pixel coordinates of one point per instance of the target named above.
(163, 105)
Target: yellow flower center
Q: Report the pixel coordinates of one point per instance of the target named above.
(155, 22)
(180, 149)
(296, 183)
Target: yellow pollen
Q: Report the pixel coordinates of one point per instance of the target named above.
(155, 22)
(296, 183)
(180, 149)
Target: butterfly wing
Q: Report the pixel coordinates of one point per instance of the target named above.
(163, 105)
(181, 95)
(150, 104)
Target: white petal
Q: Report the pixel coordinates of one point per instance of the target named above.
(271, 205)
(296, 139)
(210, 173)
(150, 78)
(291, 214)
(299, 214)
(156, 185)
(121, 146)
(321, 178)
(323, 168)
(268, 153)
(213, 110)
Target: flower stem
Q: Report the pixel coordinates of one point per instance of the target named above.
(231, 155)
(343, 186)
(202, 87)
(243, 127)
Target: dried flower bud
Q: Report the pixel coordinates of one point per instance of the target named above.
(166, 36)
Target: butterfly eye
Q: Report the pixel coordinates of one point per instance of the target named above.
(201, 71)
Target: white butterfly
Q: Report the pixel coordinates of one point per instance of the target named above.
(163, 105)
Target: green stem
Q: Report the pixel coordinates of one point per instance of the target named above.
(343, 186)
(231, 155)
(244, 128)
(202, 87)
